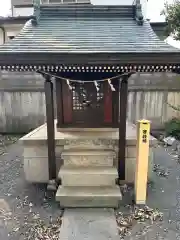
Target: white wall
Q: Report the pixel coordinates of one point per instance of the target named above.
(13, 29)
(1, 37)
(25, 11)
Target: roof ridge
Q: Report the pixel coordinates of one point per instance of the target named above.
(84, 6)
(86, 11)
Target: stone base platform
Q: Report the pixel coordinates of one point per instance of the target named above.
(86, 162)
(36, 157)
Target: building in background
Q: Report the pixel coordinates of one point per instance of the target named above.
(21, 8)
(10, 26)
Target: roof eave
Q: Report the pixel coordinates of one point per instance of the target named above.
(15, 20)
(105, 58)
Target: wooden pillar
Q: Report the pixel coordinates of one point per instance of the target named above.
(48, 85)
(59, 103)
(122, 126)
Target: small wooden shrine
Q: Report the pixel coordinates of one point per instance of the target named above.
(88, 104)
(90, 51)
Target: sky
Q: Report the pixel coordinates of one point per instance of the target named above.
(4, 7)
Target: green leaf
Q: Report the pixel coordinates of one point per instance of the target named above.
(172, 17)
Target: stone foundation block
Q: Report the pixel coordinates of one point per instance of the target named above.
(131, 168)
(40, 151)
(131, 151)
(36, 170)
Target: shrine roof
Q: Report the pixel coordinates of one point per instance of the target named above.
(87, 29)
(87, 35)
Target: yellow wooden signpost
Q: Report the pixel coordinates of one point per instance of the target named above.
(141, 174)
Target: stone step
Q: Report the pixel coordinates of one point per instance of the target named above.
(87, 145)
(78, 157)
(105, 197)
(88, 176)
(89, 130)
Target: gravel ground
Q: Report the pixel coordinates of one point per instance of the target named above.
(27, 211)
(163, 195)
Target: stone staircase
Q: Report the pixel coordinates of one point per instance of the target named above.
(88, 178)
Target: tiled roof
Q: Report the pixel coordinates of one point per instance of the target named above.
(87, 29)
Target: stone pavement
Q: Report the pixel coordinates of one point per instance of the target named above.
(89, 224)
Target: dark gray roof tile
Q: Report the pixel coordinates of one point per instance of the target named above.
(84, 29)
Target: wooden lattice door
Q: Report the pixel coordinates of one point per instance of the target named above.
(88, 104)
(84, 106)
